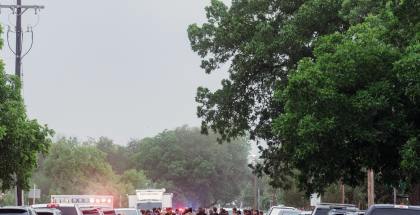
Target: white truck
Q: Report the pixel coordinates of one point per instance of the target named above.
(150, 198)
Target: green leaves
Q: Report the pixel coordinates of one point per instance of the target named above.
(352, 107)
(196, 165)
(21, 139)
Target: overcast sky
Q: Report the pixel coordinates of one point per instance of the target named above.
(122, 69)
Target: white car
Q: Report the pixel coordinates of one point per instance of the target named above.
(283, 210)
(65, 208)
(126, 211)
(47, 211)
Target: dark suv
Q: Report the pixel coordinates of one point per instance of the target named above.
(393, 210)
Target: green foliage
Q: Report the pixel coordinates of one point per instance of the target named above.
(261, 41)
(195, 165)
(353, 106)
(133, 180)
(21, 138)
(353, 98)
(114, 154)
(7, 198)
(74, 168)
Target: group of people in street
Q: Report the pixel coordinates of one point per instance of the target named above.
(201, 211)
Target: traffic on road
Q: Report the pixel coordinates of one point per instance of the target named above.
(320, 209)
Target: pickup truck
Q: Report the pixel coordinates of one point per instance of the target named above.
(393, 210)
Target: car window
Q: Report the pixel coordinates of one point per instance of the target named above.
(395, 211)
(45, 213)
(280, 211)
(321, 211)
(275, 211)
(289, 212)
(68, 210)
(13, 212)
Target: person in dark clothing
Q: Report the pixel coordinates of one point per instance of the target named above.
(215, 211)
(201, 211)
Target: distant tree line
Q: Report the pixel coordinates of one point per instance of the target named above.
(195, 167)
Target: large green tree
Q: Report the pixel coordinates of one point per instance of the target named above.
(196, 166)
(76, 168)
(21, 138)
(354, 105)
(261, 41)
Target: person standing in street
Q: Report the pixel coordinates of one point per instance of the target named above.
(234, 211)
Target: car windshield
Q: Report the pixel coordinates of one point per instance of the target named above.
(13, 212)
(321, 211)
(44, 213)
(289, 212)
(280, 211)
(68, 210)
(395, 211)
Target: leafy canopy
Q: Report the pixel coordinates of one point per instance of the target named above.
(319, 82)
(353, 106)
(21, 138)
(261, 41)
(195, 165)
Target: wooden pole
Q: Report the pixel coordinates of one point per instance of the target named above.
(343, 192)
(371, 187)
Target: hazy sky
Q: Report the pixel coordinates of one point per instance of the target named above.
(122, 69)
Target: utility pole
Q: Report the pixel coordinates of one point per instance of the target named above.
(19, 10)
(343, 192)
(255, 192)
(273, 197)
(371, 187)
(395, 196)
(18, 53)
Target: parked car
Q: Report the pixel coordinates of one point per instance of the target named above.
(393, 210)
(92, 211)
(283, 210)
(126, 211)
(337, 209)
(47, 211)
(65, 208)
(18, 210)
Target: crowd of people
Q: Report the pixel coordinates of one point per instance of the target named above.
(201, 211)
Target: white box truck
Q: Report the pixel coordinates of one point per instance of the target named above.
(150, 198)
(167, 200)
